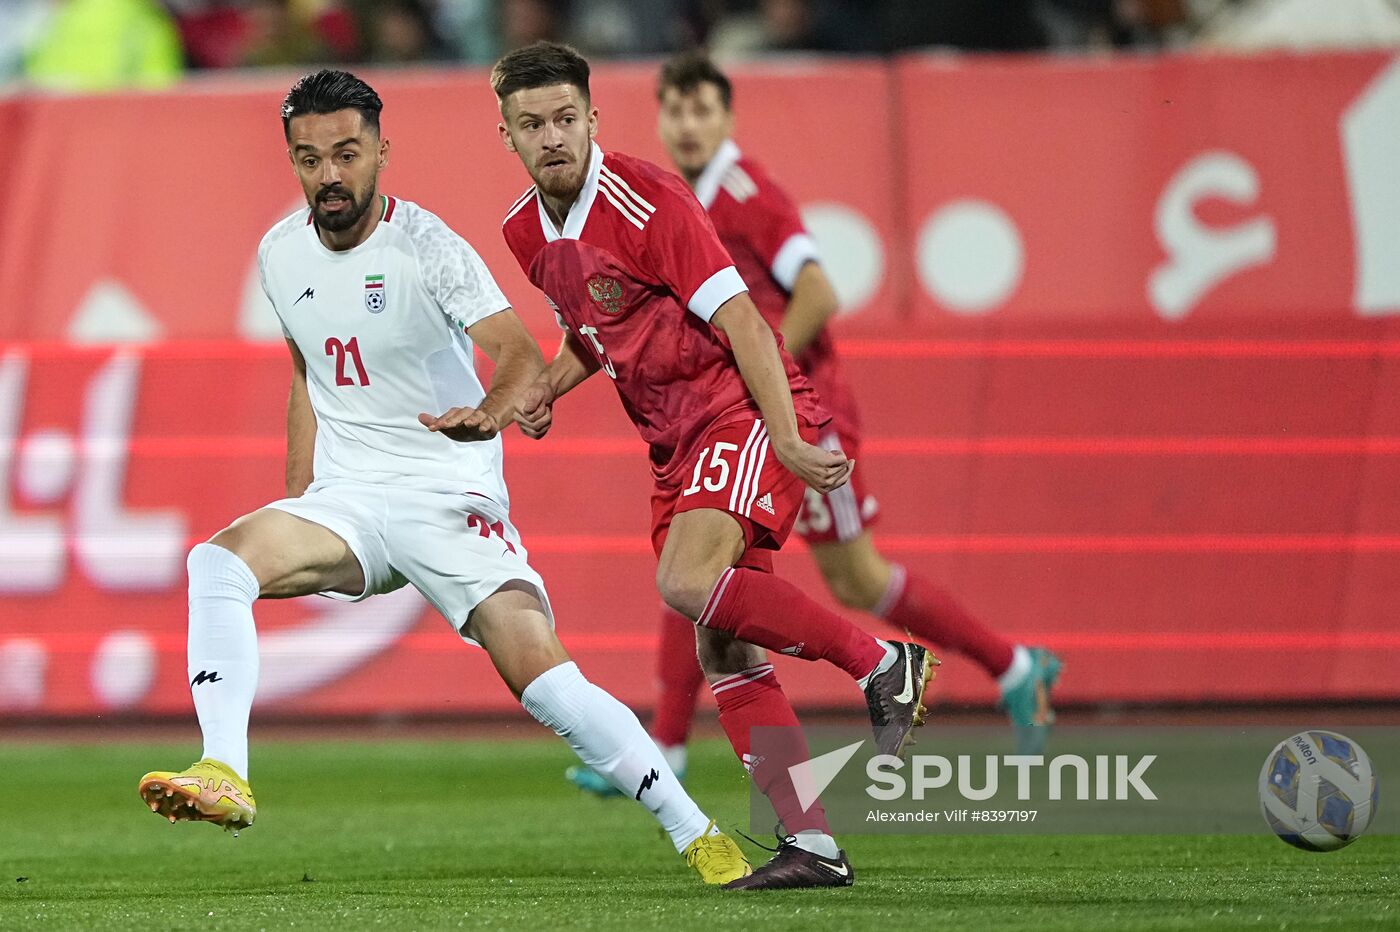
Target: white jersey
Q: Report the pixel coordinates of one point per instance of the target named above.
(383, 329)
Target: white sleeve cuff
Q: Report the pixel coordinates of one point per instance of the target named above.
(799, 249)
(718, 288)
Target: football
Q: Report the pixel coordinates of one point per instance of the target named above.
(1318, 790)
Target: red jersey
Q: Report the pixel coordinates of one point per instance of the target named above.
(760, 227)
(636, 274)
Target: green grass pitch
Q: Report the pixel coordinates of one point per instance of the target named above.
(485, 834)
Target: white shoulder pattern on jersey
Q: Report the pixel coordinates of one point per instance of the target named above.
(738, 184)
(448, 265)
(635, 208)
(707, 185)
(520, 202)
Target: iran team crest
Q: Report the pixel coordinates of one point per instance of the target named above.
(374, 293)
(607, 293)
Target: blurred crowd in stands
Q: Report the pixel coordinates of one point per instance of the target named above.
(98, 44)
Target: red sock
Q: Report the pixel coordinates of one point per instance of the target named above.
(679, 676)
(930, 613)
(762, 609)
(750, 699)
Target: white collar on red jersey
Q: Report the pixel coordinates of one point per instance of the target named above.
(707, 185)
(578, 212)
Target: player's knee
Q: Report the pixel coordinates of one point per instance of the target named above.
(681, 593)
(684, 589)
(853, 587)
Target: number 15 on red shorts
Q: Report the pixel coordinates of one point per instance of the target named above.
(734, 469)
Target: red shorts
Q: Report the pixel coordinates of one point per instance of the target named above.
(734, 470)
(843, 514)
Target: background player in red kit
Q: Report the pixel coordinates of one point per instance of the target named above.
(645, 292)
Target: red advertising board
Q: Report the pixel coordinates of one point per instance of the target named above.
(1122, 331)
(163, 225)
(1125, 193)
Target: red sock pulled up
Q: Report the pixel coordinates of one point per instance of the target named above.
(773, 613)
(750, 699)
(932, 614)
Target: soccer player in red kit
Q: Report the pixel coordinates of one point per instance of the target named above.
(646, 292)
(760, 227)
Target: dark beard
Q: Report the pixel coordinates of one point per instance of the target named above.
(345, 219)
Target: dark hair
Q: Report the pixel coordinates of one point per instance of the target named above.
(687, 72)
(542, 64)
(327, 91)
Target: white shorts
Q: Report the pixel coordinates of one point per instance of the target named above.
(457, 548)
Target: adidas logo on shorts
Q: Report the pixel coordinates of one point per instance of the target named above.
(766, 502)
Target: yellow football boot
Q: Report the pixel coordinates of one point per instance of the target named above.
(208, 791)
(716, 858)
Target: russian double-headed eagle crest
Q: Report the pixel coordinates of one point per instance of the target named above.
(606, 293)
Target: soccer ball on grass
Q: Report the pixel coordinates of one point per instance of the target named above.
(1318, 790)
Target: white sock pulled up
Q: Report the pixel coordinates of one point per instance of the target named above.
(222, 651)
(608, 738)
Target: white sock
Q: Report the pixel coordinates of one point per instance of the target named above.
(223, 651)
(891, 655)
(675, 756)
(819, 843)
(1020, 668)
(608, 738)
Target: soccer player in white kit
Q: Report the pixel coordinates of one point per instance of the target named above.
(381, 304)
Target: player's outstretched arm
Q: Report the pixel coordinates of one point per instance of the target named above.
(813, 302)
(756, 352)
(569, 367)
(301, 428)
(504, 339)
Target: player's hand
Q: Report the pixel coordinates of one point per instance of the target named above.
(823, 470)
(464, 425)
(535, 415)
